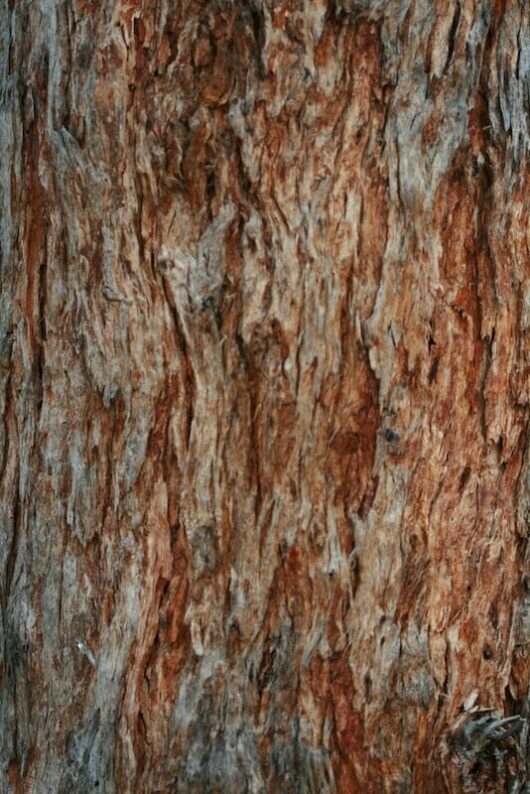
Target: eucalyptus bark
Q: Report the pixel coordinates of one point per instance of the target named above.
(264, 386)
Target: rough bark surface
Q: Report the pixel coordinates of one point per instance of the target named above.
(264, 386)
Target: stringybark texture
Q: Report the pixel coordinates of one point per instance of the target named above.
(264, 386)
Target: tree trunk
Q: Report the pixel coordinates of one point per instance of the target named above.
(264, 386)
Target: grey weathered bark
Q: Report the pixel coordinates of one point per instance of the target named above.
(264, 385)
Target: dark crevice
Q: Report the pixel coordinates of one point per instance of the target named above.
(180, 337)
(434, 370)
(43, 335)
(258, 30)
(464, 478)
(452, 37)
(14, 543)
(252, 390)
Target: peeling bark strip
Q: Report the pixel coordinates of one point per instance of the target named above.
(264, 387)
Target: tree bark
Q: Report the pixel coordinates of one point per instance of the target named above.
(264, 386)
